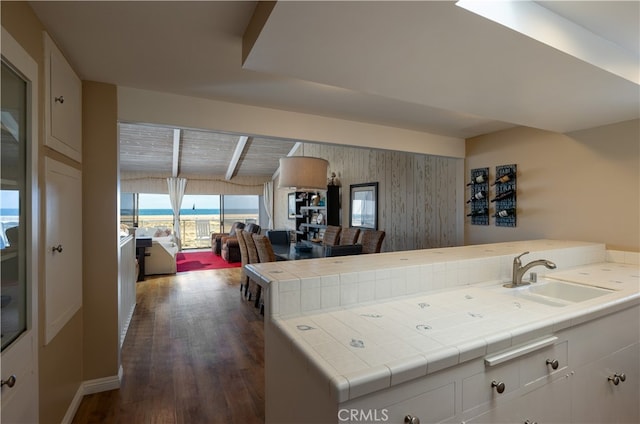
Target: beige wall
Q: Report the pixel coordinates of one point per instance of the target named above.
(417, 195)
(100, 237)
(153, 107)
(578, 186)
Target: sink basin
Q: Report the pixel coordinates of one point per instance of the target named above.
(557, 293)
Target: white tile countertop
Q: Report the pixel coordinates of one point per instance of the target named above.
(377, 342)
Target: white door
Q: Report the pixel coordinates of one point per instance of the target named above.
(18, 245)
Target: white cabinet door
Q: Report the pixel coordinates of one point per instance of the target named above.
(596, 399)
(63, 106)
(19, 255)
(63, 248)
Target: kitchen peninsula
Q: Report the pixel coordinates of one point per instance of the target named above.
(432, 335)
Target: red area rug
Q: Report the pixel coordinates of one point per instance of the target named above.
(199, 261)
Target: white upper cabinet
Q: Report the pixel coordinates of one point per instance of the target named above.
(63, 108)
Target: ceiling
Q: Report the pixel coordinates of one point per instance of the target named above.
(421, 65)
(155, 149)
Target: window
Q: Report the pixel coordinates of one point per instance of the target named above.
(154, 210)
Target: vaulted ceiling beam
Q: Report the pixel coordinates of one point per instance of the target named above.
(233, 164)
(176, 151)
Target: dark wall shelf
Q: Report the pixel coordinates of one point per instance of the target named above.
(505, 196)
(479, 196)
(308, 226)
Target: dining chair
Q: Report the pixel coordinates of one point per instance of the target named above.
(371, 241)
(252, 256)
(265, 254)
(349, 235)
(244, 258)
(331, 235)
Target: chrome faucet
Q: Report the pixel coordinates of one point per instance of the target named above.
(519, 270)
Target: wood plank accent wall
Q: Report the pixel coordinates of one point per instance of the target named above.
(416, 193)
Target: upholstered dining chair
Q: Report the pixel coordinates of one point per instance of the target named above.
(371, 241)
(265, 254)
(252, 255)
(244, 258)
(331, 235)
(349, 235)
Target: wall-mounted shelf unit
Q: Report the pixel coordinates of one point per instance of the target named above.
(478, 199)
(311, 220)
(505, 198)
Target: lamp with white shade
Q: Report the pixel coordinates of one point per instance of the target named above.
(303, 173)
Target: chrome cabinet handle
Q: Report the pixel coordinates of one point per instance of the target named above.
(57, 248)
(11, 381)
(499, 385)
(530, 422)
(409, 419)
(554, 363)
(622, 376)
(59, 99)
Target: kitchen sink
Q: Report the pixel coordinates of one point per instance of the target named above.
(557, 293)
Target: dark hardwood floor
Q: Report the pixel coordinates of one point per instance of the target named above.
(194, 354)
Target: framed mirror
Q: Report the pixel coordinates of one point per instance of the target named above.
(363, 206)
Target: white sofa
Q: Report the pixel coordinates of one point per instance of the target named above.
(161, 256)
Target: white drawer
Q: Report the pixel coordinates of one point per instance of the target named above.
(534, 366)
(477, 388)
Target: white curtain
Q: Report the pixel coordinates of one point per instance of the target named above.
(268, 202)
(176, 192)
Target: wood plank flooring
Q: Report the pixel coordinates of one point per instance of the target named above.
(194, 353)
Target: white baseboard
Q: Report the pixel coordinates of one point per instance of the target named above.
(90, 387)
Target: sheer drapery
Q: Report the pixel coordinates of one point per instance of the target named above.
(176, 192)
(268, 202)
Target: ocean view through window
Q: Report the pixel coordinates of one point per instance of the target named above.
(220, 211)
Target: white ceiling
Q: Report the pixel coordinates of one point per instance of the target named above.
(422, 65)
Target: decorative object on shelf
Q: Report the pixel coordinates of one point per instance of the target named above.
(320, 219)
(505, 195)
(315, 199)
(478, 195)
(303, 173)
(504, 178)
(479, 178)
(479, 201)
(363, 207)
(505, 213)
(333, 180)
(479, 212)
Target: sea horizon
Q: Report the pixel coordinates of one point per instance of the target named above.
(12, 212)
(196, 211)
